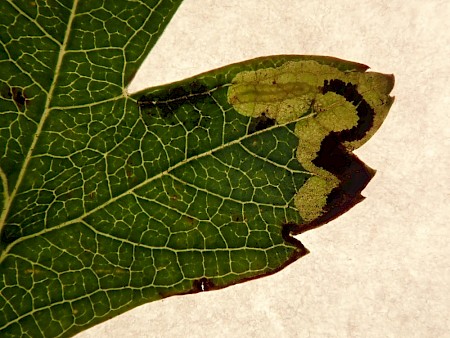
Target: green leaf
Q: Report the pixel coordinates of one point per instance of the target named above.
(111, 200)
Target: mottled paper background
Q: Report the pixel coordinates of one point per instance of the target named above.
(380, 270)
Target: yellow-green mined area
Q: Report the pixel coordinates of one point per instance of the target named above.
(282, 93)
(301, 92)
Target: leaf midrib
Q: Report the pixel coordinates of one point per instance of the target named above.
(46, 113)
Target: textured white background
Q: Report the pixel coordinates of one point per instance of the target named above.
(382, 269)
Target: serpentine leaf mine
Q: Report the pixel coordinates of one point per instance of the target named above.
(332, 106)
(335, 112)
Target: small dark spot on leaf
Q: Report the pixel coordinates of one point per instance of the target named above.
(18, 96)
(236, 218)
(189, 219)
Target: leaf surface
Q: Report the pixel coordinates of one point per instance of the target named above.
(112, 200)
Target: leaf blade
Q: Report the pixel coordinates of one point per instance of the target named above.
(165, 192)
